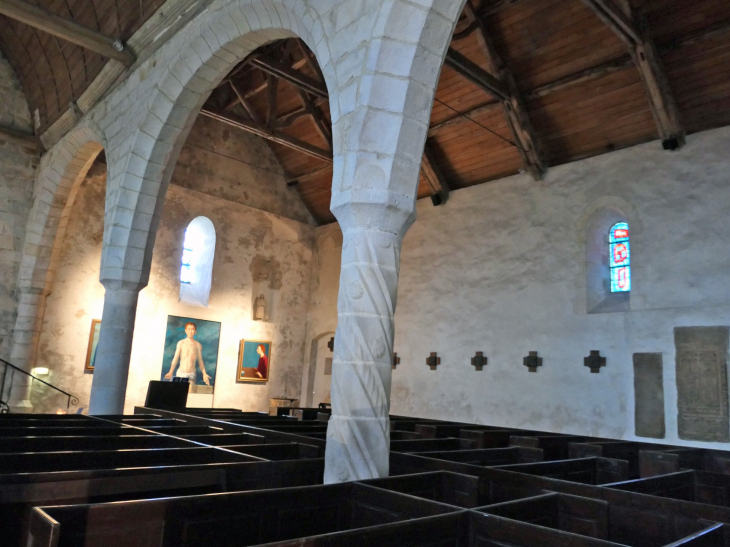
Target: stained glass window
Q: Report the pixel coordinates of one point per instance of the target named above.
(619, 257)
(196, 265)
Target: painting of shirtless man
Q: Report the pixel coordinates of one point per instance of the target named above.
(191, 351)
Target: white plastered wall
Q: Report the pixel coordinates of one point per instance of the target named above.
(498, 269)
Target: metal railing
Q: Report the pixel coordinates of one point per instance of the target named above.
(4, 408)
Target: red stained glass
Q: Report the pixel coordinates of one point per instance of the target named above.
(620, 253)
(622, 278)
(620, 233)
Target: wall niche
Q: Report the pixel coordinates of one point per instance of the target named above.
(266, 283)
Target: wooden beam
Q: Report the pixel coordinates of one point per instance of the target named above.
(270, 134)
(272, 100)
(320, 123)
(475, 74)
(517, 116)
(592, 73)
(18, 137)
(632, 30)
(433, 175)
(310, 174)
(244, 102)
(42, 19)
(286, 73)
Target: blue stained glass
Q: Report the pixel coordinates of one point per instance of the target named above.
(620, 257)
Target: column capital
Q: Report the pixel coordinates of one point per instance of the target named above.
(369, 209)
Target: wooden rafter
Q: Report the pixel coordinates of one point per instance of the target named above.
(18, 137)
(433, 175)
(269, 134)
(320, 124)
(514, 108)
(632, 30)
(47, 21)
(475, 74)
(294, 77)
(273, 89)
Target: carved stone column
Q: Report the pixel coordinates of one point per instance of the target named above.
(111, 366)
(358, 434)
(25, 340)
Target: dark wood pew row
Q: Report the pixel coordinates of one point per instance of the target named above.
(55, 444)
(555, 447)
(235, 520)
(585, 517)
(655, 462)
(696, 486)
(496, 438)
(490, 456)
(37, 462)
(621, 450)
(442, 486)
(430, 445)
(52, 422)
(439, 431)
(404, 435)
(70, 431)
(593, 471)
(225, 439)
(278, 452)
(19, 493)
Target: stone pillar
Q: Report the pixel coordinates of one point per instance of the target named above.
(25, 341)
(358, 434)
(111, 366)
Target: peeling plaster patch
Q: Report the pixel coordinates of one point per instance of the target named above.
(266, 269)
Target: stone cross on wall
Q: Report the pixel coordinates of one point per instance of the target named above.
(433, 360)
(594, 361)
(479, 360)
(395, 362)
(331, 344)
(532, 361)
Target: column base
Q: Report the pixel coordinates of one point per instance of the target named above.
(357, 449)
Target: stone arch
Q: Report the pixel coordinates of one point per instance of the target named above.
(378, 161)
(214, 47)
(59, 177)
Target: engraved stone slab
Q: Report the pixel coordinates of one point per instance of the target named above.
(702, 392)
(649, 395)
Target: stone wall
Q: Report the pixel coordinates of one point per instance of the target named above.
(203, 184)
(18, 164)
(500, 269)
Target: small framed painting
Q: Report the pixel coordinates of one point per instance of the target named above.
(254, 361)
(93, 342)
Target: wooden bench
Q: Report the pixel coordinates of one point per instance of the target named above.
(20, 493)
(284, 451)
(235, 520)
(555, 447)
(430, 445)
(442, 486)
(584, 471)
(696, 486)
(589, 518)
(489, 457)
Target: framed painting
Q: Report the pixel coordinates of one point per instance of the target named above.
(93, 341)
(191, 352)
(254, 361)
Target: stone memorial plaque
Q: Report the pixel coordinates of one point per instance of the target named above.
(649, 395)
(702, 391)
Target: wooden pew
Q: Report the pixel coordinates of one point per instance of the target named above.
(223, 439)
(69, 431)
(696, 486)
(619, 450)
(655, 462)
(442, 486)
(593, 471)
(235, 520)
(55, 444)
(555, 447)
(21, 492)
(277, 452)
(490, 456)
(586, 517)
(440, 431)
(404, 435)
(430, 445)
(36, 462)
(494, 438)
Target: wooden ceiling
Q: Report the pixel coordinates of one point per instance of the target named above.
(527, 84)
(52, 71)
(577, 90)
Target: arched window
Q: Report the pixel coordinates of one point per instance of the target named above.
(619, 253)
(196, 268)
